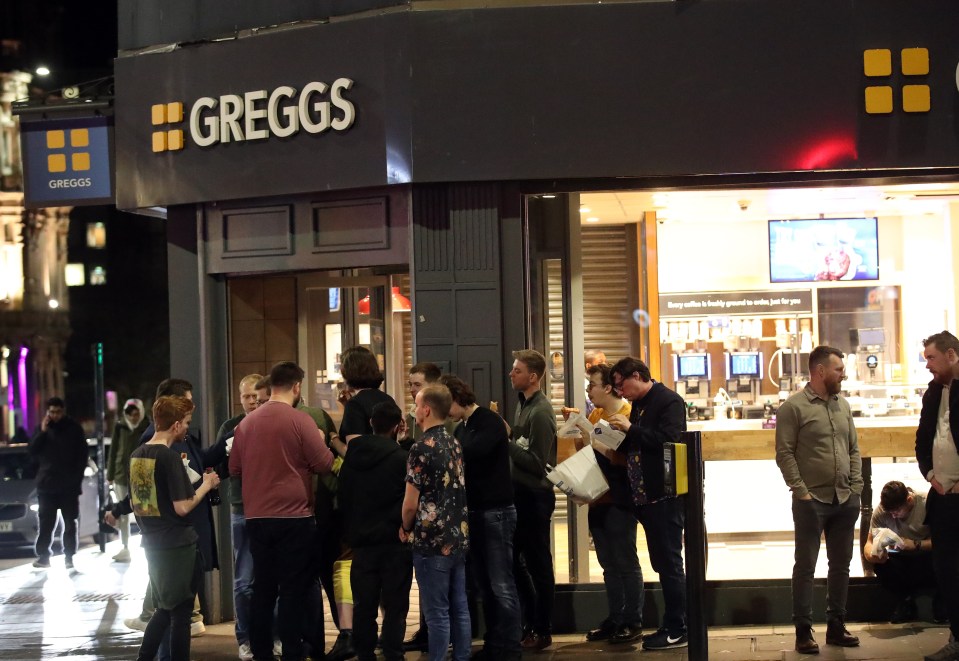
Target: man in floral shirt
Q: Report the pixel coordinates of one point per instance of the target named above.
(434, 517)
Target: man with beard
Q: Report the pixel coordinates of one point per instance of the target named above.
(818, 453)
(937, 450)
(277, 501)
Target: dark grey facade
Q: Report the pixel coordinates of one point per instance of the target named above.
(460, 113)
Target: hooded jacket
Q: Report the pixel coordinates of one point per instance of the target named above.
(125, 439)
(371, 489)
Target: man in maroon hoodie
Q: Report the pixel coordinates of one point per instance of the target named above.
(276, 449)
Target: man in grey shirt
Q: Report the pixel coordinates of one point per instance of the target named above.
(818, 454)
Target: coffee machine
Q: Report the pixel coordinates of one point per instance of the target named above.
(744, 374)
(870, 354)
(691, 372)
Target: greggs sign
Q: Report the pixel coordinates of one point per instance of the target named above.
(255, 115)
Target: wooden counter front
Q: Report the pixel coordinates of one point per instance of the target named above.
(736, 444)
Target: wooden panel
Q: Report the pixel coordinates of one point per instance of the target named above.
(246, 340)
(279, 298)
(257, 232)
(728, 445)
(246, 298)
(280, 340)
(361, 224)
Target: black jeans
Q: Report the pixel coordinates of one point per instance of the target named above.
(381, 575)
(47, 506)
(811, 519)
(532, 559)
(614, 534)
(663, 523)
(942, 515)
(174, 623)
(282, 568)
(904, 573)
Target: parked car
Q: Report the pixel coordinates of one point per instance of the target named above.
(18, 498)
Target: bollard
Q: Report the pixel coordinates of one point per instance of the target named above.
(695, 549)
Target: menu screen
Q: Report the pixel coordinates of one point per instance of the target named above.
(823, 250)
(744, 364)
(693, 366)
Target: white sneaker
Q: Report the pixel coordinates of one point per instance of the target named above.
(197, 628)
(277, 648)
(135, 623)
(246, 653)
(122, 556)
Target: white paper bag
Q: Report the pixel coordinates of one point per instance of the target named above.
(579, 477)
(603, 433)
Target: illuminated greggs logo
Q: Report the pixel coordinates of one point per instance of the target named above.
(256, 115)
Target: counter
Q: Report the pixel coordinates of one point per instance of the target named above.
(733, 440)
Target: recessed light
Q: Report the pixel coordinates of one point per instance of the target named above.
(584, 209)
(42, 71)
(592, 219)
(548, 197)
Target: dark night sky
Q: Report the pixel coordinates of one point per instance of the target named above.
(76, 40)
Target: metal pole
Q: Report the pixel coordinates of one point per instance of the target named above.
(99, 423)
(695, 549)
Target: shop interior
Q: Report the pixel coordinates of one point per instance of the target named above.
(739, 285)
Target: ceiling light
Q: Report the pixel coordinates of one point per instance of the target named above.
(42, 71)
(548, 197)
(592, 219)
(584, 209)
(53, 303)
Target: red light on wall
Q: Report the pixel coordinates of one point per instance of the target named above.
(828, 153)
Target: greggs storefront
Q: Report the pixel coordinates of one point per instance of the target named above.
(716, 187)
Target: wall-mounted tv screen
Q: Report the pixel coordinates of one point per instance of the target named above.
(823, 249)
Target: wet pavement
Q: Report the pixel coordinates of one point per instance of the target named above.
(78, 615)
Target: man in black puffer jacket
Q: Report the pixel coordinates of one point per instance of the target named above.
(61, 452)
(371, 489)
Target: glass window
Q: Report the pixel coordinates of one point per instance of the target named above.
(98, 275)
(96, 235)
(75, 275)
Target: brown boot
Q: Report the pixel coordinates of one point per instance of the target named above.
(805, 643)
(836, 634)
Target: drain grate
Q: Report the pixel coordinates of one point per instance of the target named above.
(83, 597)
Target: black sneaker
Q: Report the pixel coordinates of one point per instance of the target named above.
(664, 640)
(602, 632)
(418, 642)
(626, 633)
(43, 562)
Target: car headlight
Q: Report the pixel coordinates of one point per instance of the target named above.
(34, 507)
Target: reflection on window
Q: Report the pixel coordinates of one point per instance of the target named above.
(96, 235)
(98, 275)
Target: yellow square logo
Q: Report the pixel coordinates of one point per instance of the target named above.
(158, 114)
(56, 163)
(79, 138)
(877, 62)
(80, 162)
(879, 100)
(174, 139)
(174, 112)
(159, 141)
(915, 98)
(55, 140)
(915, 61)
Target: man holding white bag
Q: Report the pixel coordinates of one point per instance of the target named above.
(612, 522)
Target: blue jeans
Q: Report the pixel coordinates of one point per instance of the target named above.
(442, 582)
(614, 534)
(491, 549)
(663, 522)
(242, 577)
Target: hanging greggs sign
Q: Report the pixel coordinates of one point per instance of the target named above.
(283, 112)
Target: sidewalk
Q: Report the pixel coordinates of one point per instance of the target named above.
(52, 614)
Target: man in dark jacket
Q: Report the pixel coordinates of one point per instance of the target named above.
(658, 417)
(61, 452)
(937, 451)
(371, 489)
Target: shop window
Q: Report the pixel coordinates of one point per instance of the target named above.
(96, 235)
(98, 275)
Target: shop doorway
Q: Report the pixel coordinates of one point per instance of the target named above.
(311, 318)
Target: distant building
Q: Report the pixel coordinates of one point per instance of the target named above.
(34, 304)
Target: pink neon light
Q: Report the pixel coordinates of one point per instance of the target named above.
(22, 378)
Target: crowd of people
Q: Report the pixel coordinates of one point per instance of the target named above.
(459, 496)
